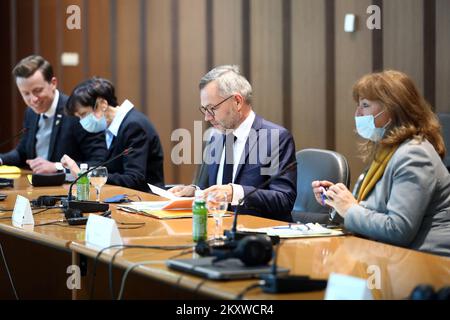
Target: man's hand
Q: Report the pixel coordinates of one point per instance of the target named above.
(183, 191)
(39, 165)
(222, 188)
(70, 164)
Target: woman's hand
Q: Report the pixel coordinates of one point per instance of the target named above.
(318, 188)
(70, 164)
(340, 198)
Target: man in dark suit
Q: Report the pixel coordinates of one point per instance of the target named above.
(245, 150)
(95, 103)
(48, 133)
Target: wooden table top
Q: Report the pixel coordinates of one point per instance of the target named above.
(400, 269)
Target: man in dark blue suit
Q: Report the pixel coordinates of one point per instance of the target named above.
(95, 103)
(48, 133)
(245, 150)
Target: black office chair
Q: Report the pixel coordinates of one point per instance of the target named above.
(317, 164)
(444, 119)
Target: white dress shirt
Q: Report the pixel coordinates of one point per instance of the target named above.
(113, 128)
(241, 133)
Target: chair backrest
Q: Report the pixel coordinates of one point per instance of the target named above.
(317, 164)
(444, 119)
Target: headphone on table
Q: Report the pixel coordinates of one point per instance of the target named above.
(426, 292)
(254, 250)
(46, 201)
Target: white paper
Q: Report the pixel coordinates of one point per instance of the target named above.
(22, 214)
(344, 287)
(102, 232)
(162, 192)
(294, 230)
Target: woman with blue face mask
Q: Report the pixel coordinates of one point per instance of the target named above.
(404, 198)
(124, 127)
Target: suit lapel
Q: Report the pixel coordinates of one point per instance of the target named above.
(249, 145)
(32, 134)
(214, 160)
(57, 121)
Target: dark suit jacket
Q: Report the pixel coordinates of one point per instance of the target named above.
(67, 137)
(145, 163)
(277, 199)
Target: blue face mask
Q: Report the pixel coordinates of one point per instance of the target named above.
(91, 124)
(365, 125)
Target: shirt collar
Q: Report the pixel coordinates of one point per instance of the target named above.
(122, 111)
(242, 132)
(51, 112)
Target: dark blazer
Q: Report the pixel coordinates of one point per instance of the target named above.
(277, 199)
(67, 137)
(145, 163)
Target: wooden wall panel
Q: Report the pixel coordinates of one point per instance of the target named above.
(285, 47)
(24, 47)
(48, 24)
(353, 60)
(227, 38)
(192, 66)
(99, 40)
(266, 58)
(403, 44)
(72, 42)
(5, 77)
(308, 74)
(159, 76)
(442, 56)
(128, 48)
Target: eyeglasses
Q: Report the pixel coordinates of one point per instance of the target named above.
(213, 108)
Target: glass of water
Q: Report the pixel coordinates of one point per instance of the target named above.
(97, 178)
(217, 205)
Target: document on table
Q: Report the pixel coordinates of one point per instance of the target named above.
(174, 203)
(175, 207)
(296, 230)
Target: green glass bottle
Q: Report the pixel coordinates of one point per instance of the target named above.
(199, 217)
(83, 184)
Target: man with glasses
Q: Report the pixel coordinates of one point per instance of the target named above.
(246, 149)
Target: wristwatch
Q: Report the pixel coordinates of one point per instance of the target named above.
(59, 166)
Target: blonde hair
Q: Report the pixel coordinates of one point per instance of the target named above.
(411, 116)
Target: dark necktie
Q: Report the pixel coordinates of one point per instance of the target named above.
(227, 176)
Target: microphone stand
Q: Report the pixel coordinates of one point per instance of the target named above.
(19, 134)
(233, 234)
(91, 206)
(274, 283)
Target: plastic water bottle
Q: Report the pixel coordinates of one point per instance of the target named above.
(83, 184)
(199, 217)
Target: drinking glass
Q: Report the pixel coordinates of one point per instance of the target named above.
(98, 178)
(217, 204)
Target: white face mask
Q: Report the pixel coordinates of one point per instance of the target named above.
(91, 124)
(365, 125)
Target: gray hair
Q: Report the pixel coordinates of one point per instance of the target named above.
(229, 81)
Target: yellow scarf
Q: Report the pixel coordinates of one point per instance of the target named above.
(375, 171)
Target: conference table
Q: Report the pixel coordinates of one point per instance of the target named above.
(42, 258)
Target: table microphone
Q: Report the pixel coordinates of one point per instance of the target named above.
(17, 135)
(91, 206)
(274, 283)
(233, 234)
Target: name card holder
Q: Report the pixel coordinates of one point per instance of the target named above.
(102, 232)
(343, 287)
(22, 214)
